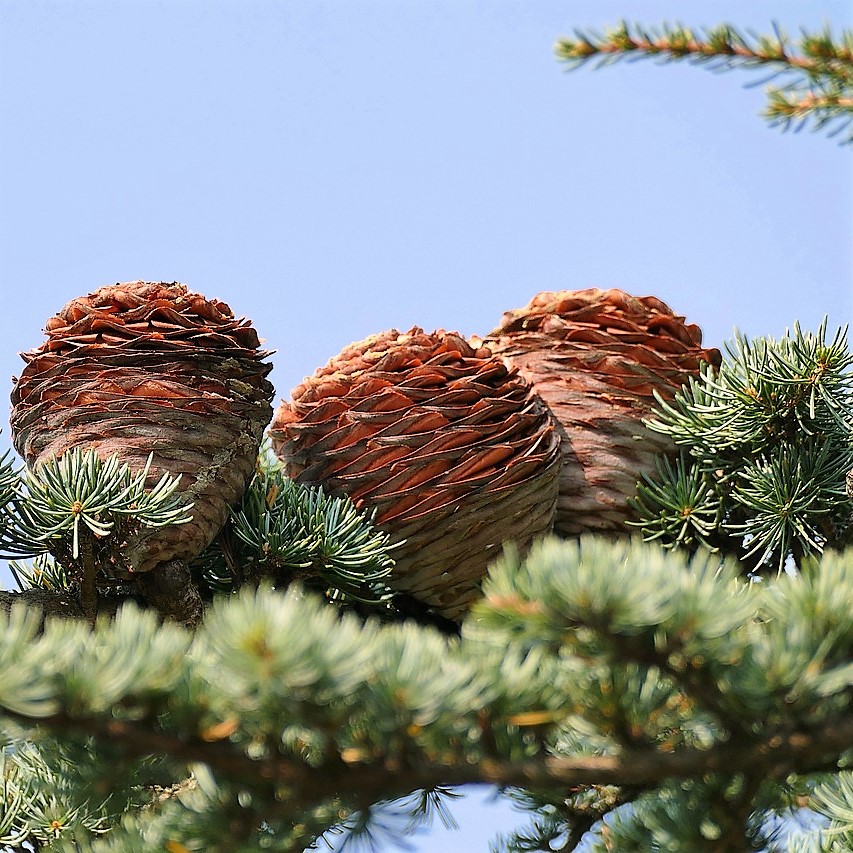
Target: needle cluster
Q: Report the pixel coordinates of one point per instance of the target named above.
(286, 532)
(766, 442)
(79, 501)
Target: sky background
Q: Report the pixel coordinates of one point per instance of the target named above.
(334, 169)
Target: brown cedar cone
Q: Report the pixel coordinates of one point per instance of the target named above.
(452, 449)
(146, 367)
(595, 357)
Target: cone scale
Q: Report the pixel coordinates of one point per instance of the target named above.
(446, 444)
(596, 357)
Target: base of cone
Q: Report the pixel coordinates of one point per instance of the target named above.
(170, 589)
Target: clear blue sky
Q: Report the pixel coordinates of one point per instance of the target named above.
(333, 169)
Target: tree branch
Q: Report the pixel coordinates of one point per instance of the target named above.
(681, 43)
(62, 603)
(777, 755)
(181, 604)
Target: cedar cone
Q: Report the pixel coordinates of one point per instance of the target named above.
(450, 448)
(145, 367)
(595, 357)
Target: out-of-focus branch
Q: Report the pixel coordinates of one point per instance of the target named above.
(779, 755)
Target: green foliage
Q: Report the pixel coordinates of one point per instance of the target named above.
(271, 675)
(770, 650)
(81, 502)
(594, 674)
(51, 806)
(79, 489)
(69, 790)
(389, 822)
(77, 500)
(8, 480)
(766, 443)
(43, 573)
(289, 532)
(815, 75)
(657, 822)
(281, 530)
(557, 823)
(834, 798)
(13, 541)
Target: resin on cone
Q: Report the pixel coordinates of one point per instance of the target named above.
(596, 357)
(451, 448)
(150, 367)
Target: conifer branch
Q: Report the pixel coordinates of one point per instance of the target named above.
(776, 755)
(312, 706)
(819, 55)
(766, 442)
(82, 509)
(819, 67)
